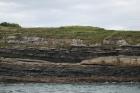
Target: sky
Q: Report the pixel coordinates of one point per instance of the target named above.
(109, 14)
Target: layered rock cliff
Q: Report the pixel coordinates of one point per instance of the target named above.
(25, 70)
(74, 54)
(68, 54)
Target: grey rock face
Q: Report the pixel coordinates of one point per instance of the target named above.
(72, 55)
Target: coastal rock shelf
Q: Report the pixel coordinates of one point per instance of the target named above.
(76, 64)
(25, 70)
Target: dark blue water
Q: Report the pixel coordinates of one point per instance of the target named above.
(70, 88)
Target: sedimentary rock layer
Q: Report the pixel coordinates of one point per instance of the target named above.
(74, 54)
(24, 70)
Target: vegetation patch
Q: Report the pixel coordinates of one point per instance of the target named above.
(90, 35)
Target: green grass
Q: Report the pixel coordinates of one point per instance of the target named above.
(87, 33)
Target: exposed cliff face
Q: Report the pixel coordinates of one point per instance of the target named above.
(43, 71)
(95, 68)
(40, 43)
(13, 41)
(62, 50)
(74, 54)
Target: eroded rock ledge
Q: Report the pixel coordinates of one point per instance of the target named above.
(76, 64)
(74, 54)
(25, 70)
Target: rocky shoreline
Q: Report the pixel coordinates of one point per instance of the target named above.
(76, 64)
(26, 70)
(68, 54)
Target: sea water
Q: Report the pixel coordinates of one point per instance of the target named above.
(70, 88)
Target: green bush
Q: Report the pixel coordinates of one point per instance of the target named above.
(6, 24)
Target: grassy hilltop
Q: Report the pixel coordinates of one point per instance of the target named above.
(90, 34)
